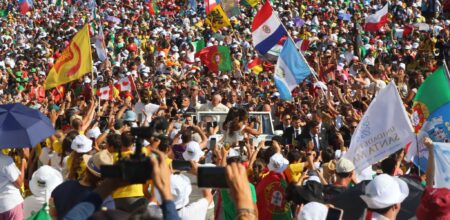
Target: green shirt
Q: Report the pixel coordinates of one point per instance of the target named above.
(229, 208)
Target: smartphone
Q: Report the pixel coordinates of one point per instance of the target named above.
(268, 143)
(194, 119)
(212, 143)
(211, 177)
(181, 165)
(139, 117)
(241, 144)
(334, 214)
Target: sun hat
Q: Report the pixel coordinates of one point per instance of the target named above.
(193, 151)
(384, 191)
(435, 204)
(93, 163)
(313, 211)
(344, 166)
(44, 180)
(278, 163)
(81, 144)
(180, 187)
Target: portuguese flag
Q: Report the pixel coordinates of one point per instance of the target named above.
(216, 58)
(153, 8)
(199, 44)
(431, 96)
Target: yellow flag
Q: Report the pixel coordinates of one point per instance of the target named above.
(252, 2)
(217, 18)
(75, 61)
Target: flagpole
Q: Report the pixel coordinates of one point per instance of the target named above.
(313, 72)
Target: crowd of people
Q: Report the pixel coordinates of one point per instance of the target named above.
(300, 173)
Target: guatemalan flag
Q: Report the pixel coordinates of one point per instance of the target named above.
(291, 70)
(374, 22)
(25, 6)
(267, 29)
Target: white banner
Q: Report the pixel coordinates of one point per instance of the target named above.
(441, 165)
(384, 129)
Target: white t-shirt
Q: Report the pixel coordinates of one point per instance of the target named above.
(32, 204)
(149, 109)
(10, 195)
(193, 211)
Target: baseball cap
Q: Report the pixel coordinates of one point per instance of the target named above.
(180, 187)
(384, 191)
(344, 166)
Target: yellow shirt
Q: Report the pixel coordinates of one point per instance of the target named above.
(294, 172)
(133, 190)
(80, 170)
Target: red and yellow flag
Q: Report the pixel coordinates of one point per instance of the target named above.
(75, 61)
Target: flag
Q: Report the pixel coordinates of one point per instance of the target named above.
(125, 84)
(375, 21)
(267, 29)
(210, 5)
(152, 7)
(25, 6)
(430, 114)
(291, 69)
(100, 46)
(217, 18)
(384, 129)
(41, 214)
(105, 93)
(255, 65)
(403, 32)
(251, 3)
(426, 100)
(441, 165)
(231, 7)
(4, 13)
(199, 44)
(75, 61)
(193, 5)
(273, 203)
(303, 45)
(216, 58)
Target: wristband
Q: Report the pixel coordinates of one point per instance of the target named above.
(251, 213)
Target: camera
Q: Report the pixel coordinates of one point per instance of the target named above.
(137, 168)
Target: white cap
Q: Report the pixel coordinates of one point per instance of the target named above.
(344, 166)
(278, 163)
(313, 211)
(384, 191)
(233, 153)
(180, 187)
(193, 152)
(81, 144)
(403, 66)
(93, 132)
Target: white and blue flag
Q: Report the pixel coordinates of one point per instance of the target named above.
(291, 69)
(442, 165)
